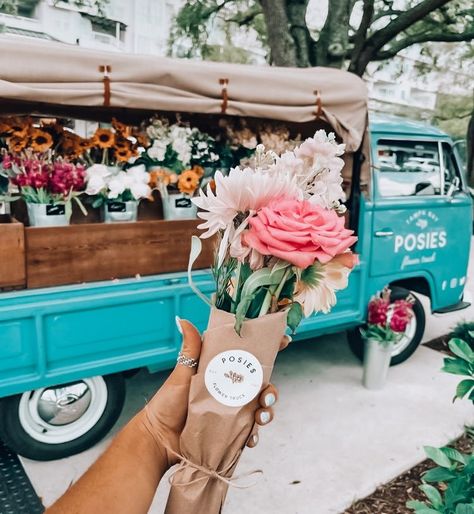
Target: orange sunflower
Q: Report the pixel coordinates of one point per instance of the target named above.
(199, 170)
(159, 176)
(188, 182)
(103, 138)
(120, 127)
(16, 144)
(122, 143)
(40, 141)
(19, 127)
(123, 154)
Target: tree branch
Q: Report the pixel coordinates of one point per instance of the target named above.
(383, 36)
(361, 34)
(245, 18)
(445, 37)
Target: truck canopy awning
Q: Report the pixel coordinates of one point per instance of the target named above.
(64, 75)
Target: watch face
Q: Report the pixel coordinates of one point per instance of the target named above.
(234, 377)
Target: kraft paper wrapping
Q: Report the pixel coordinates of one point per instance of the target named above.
(215, 434)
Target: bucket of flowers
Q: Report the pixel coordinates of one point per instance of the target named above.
(47, 182)
(387, 321)
(113, 184)
(180, 159)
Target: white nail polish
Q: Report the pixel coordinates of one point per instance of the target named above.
(265, 417)
(178, 324)
(255, 439)
(269, 400)
(289, 339)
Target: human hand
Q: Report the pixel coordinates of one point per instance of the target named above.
(165, 415)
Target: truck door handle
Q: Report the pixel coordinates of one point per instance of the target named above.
(384, 233)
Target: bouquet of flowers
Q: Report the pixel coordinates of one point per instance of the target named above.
(387, 321)
(105, 183)
(282, 254)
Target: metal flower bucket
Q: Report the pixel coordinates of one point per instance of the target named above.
(178, 207)
(377, 358)
(120, 211)
(47, 215)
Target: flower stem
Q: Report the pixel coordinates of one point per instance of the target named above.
(236, 287)
(273, 292)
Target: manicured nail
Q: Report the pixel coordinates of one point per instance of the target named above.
(255, 439)
(289, 339)
(178, 324)
(269, 400)
(265, 417)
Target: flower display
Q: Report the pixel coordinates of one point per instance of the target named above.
(386, 320)
(282, 242)
(106, 183)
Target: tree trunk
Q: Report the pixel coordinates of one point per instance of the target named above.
(296, 11)
(333, 42)
(280, 41)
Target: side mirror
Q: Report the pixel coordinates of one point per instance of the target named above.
(453, 187)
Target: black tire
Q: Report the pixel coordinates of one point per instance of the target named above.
(356, 343)
(12, 431)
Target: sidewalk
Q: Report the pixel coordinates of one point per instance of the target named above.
(332, 441)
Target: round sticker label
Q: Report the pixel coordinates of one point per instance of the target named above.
(234, 377)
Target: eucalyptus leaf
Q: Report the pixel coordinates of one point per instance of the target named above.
(295, 315)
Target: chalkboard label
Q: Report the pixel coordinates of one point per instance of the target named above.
(55, 210)
(184, 203)
(116, 207)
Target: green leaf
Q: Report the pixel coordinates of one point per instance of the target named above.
(438, 475)
(464, 387)
(461, 349)
(456, 366)
(433, 495)
(464, 508)
(436, 455)
(295, 315)
(454, 454)
(415, 504)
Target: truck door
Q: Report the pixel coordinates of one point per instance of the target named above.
(422, 218)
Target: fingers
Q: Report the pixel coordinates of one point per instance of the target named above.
(285, 342)
(191, 348)
(253, 439)
(263, 416)
(269, 396)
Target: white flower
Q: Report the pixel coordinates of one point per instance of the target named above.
(158, 150)
(316, 289)
(242, 191)
(95, 184)
(117, 184)
(140, 190)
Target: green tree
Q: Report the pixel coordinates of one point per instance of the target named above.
(355, 32)
(13, 6)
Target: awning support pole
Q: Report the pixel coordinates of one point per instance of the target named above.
(319, 104)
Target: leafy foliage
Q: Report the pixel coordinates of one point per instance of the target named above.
(455, 478)
(12, 6)
(461, 364)
(464, 331)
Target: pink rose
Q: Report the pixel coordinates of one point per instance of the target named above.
(299, 232)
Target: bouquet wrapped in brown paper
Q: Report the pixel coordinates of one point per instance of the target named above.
(283, 252)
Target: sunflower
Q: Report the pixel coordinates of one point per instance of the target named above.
(199, 170)
(40, 140)
(103, 138)
(19, 127)
(83, 144)
(123, 154)
(120, 127)
(188, 182)
(16, 144)
(122, 143)
(159, 176)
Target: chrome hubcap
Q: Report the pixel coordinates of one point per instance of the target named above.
(406, 338)
(55, 415)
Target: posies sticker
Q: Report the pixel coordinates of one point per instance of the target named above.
(234, 377)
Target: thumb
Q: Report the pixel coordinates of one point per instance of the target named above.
(191, 348)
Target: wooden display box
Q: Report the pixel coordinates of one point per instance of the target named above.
(12, 253)
(99, 251)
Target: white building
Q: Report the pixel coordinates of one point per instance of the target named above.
(134, 26)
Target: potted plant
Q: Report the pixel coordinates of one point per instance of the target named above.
(117, 191)
(180, 160)
(386, 324)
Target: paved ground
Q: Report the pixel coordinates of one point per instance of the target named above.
(332, 441)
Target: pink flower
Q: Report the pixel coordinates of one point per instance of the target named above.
(402, 314)
(378, 311)
(299, 232)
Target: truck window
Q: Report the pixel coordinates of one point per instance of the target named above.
(407, 168)
(451, 167)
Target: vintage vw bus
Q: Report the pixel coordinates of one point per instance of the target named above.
(64, 349)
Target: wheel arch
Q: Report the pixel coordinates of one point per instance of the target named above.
(419, 285)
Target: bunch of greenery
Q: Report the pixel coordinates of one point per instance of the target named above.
(461, 364)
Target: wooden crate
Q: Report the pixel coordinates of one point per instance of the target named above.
(98, 251)
(12, 253)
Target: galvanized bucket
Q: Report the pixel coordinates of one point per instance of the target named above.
(120, 211)
(178, 207)
(376, 363)
(47, 215)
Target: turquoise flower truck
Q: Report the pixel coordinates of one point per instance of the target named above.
(65, 349)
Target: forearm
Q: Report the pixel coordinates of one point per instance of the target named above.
(123, 480)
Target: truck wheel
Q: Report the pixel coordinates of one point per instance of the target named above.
(411, 338)
(55, 422)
